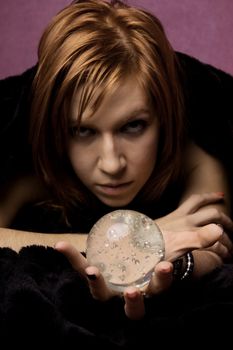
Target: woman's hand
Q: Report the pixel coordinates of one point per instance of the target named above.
(195, 212)
(161, 278)
(198, 210)
(134, 298)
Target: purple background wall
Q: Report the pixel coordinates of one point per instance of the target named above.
(201, 28)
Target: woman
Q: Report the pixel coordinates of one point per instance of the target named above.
(108, 131)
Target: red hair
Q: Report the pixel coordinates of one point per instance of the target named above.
(96, 45)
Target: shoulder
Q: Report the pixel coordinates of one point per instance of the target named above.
(196, 156)
(14, 97)
(208, 95)
(12, 83)
(206, 88)
(14, 106)
(195, 71)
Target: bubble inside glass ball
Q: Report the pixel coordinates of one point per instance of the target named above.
(125, 245)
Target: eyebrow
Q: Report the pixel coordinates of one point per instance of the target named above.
(124, 120)
(135, 113)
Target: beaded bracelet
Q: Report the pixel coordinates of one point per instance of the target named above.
(180, 273)
(189, 267)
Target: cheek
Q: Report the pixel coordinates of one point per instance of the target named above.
(143, 160)
(79, 159)
(147, 151)
(146, 160)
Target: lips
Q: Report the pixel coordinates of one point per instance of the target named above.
(113, 188)
(114, 184)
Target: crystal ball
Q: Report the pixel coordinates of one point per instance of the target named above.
(125, 245)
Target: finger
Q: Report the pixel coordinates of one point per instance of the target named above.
(209, 215)
(196, 201)
(221, 250)
(161, 278)
(76, 259)
(204, 237)
(134, 303)
(97, 285)
(226, 241)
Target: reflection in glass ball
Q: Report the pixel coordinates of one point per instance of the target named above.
(125, 245)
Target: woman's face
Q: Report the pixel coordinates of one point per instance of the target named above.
(114, 152)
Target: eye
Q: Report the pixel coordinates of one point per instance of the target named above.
(134, 127)
(81, 132)
(85, 132)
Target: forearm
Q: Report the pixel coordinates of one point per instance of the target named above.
(205, 262)
(16, 239)
(205, 174)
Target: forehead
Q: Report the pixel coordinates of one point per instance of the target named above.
(126, 99)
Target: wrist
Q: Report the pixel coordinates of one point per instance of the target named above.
(205, 262)
(184, 267)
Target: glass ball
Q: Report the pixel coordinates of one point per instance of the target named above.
(125, 245)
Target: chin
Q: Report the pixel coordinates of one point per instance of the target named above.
(116, 203)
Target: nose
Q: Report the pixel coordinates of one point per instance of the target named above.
(111, 160)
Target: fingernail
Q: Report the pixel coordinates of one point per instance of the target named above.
(220, 194)
(131, 295)
(91, 277)
(166, 269)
